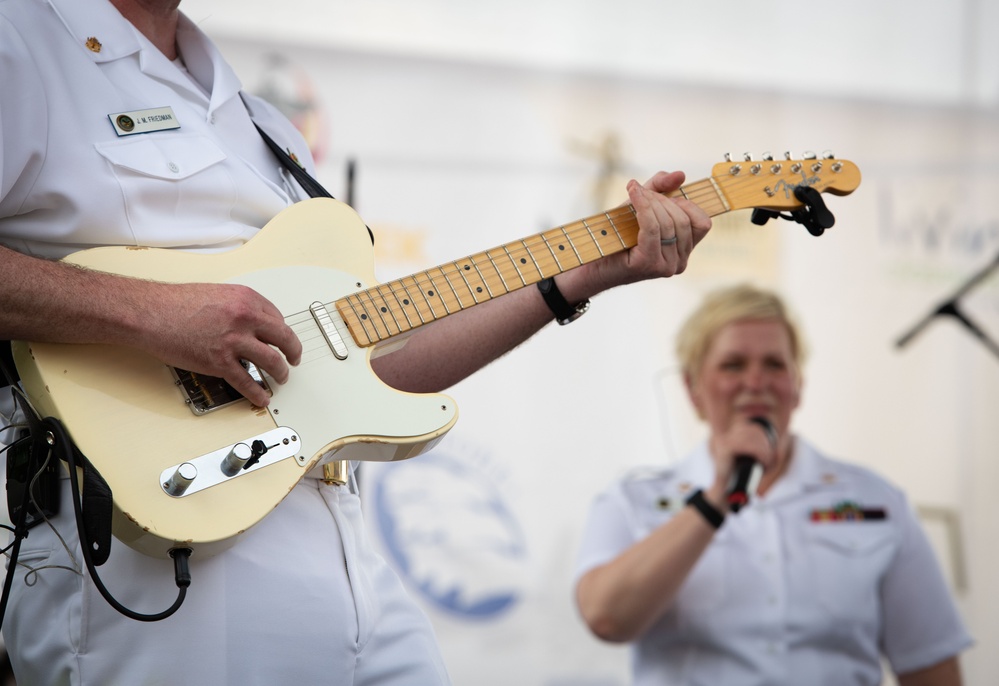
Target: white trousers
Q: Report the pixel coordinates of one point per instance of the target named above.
(301, 599)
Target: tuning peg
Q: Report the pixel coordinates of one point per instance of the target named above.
(728, 157)
(747, 156)
(767, 157)
(808, 155)
(827, 155)
(787, 155)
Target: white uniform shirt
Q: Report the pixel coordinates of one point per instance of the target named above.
(58, 195)
(786, 593)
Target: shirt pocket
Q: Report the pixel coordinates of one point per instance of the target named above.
(176, 188)
(847, 561)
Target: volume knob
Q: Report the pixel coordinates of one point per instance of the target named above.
(236, 459)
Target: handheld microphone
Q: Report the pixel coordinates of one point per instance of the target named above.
(746, 475)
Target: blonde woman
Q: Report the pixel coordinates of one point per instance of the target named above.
(823, 574)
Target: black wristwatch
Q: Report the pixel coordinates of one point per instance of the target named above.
(560, 307)
(713, 515)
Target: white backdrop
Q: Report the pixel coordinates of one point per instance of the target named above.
(461, 144)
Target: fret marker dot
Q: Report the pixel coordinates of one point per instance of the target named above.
(603, 232)
(467, 268)
(405, 301)
(384, 309)
(523, 261)
(430, 293)
(364, 316)
(479, 289)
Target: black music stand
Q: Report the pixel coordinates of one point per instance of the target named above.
(951, 307)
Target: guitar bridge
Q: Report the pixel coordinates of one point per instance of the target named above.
(204, 394)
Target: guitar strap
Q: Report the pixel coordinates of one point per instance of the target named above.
(8, 372)
(311, 186)
(305, 180)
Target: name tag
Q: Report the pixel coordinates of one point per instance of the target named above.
(144, 121)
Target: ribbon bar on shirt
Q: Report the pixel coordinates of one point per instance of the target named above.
(144, 121)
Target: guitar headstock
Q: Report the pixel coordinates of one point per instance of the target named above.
(769, 184)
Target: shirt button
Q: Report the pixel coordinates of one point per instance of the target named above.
(212, 119)
(173, 167)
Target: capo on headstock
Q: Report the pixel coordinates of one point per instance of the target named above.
(814, 215)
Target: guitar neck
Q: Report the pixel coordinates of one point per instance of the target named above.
(389, 309)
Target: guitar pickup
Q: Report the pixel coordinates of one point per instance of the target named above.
(204, 394)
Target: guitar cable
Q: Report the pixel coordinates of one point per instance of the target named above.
(182, 573)
(60, 444)
(20, 524)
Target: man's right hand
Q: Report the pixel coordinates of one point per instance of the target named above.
(211, 328)
(201, 327)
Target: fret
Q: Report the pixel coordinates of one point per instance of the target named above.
(390, 309)
(468, 286)
(541, 257)
(513, 261)
(586, 225)
(361, 319)
(534, 261)
(613, 226)
(590, 247)
(414, 301)
(579, 260)
(485, 282)
(373, 314)
(558, 265)
(402, 307)
(451, 301)
(407, 302)
(562, 255)
(492, 263)
(429, 292)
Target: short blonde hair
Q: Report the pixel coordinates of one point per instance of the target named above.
(723, 307)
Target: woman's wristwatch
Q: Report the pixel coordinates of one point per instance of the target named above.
(711, 514)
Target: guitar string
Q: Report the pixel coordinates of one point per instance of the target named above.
(700, 192)
(507, 267)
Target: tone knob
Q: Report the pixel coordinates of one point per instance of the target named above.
(236, 459)
(181, 479)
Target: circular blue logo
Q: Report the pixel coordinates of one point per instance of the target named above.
(450, 534)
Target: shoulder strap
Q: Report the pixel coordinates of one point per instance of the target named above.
(8, 372)
(311, 186)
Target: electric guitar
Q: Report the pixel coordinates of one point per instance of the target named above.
(190, 463)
